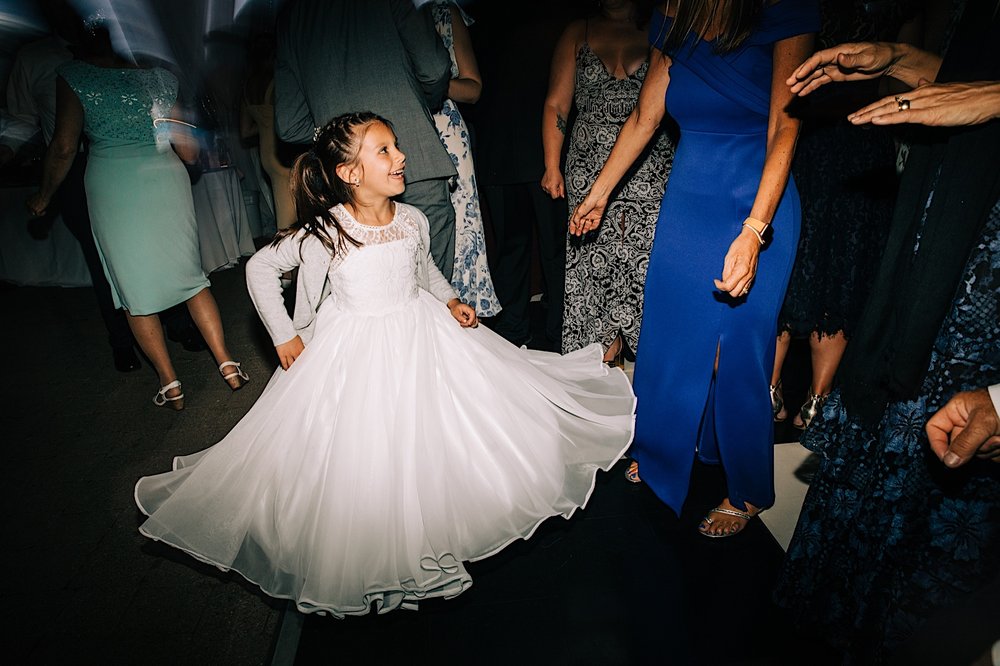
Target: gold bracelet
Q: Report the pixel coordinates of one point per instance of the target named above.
(759, 233)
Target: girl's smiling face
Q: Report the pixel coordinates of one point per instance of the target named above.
(380, 164)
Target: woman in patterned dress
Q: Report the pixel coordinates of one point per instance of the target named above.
(600, 64)
(471, 277)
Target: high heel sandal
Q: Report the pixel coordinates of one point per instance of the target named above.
(777, 403)
(175, 403)
(241, 378)
(618, 360)
(808, 411)
(632, 473)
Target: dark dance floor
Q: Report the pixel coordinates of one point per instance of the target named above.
(623, 582)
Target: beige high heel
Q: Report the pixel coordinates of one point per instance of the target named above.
(240, 376)
(175, 403)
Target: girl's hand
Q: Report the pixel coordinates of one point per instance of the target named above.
(587, 215)
(935, 104)
(37, 204)
(740, 265)
(463, 314)
(289, 351)
(553, 184)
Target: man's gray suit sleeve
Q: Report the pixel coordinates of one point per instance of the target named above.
(293, 122)
(428, 56)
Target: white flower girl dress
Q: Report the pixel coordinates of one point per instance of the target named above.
(397, 446)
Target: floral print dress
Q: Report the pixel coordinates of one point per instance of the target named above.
(887, 533)
(471, 276)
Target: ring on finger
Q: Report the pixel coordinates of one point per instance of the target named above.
(902, 104)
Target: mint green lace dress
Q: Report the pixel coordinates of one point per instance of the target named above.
(138, 193)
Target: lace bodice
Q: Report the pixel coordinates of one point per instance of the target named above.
(120, 105)
(382, 274)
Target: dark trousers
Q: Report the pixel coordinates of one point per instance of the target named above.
(72, 205)
(515, 210)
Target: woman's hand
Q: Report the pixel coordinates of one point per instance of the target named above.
(289, 351)
(740, 265)
(553, 184)
(935, 104)
(587, 215)
(37, 204)
(845, 62)
(463, 314)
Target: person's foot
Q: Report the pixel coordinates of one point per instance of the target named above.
(812, 406)
(727, 520)
(233, 375)
(632, 473)
(778, 408)
(612, 355)
(170, 396)
(125, 359)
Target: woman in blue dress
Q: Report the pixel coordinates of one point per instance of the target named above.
(724, 246)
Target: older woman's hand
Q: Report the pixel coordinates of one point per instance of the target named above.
(854, 61)
(936, 104)
(968, 425)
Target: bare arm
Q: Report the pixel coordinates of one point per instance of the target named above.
(558, 102)
(740, 264)
(469, 85)
(182, 139)
(638, 129)
(62, 151)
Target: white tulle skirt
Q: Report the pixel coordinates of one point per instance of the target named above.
(397, 447)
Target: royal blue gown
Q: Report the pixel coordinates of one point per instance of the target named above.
(721, 103)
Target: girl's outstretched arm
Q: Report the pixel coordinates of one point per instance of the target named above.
(264, 272)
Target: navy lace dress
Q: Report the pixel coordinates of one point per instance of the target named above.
(887, 533)
(846, 180)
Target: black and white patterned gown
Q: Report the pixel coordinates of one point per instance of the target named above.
(606, 270)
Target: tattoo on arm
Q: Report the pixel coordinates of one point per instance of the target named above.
(561, 124)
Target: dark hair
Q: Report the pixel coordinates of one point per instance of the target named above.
(735, 19)
(316, 187)
(643, 11)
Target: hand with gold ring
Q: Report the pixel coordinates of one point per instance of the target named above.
(587, 215)
(935, 104)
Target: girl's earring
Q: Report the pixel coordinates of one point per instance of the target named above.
(356, 183)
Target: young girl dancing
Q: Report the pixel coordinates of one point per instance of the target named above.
(394, 444)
